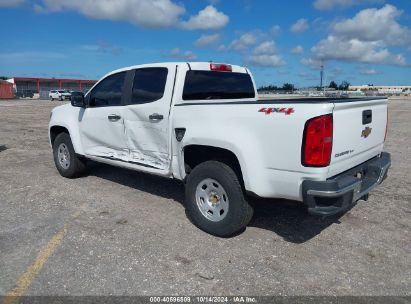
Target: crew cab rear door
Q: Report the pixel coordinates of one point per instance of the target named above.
(359, 132)
(146, 116)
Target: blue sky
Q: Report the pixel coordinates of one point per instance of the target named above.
(361, 41)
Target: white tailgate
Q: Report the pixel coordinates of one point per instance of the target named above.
(353, 141)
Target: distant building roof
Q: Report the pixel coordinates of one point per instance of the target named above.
(14, 79)
(380, 86)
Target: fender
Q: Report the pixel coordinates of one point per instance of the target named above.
(67, 116)
(240, 152)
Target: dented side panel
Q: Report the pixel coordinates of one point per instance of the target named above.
(147, 141)
(147, 127)
(101, 137)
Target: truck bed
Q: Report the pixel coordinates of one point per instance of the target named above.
(293, 100)
(316, 100)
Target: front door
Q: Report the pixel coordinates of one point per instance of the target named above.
(146, 116)
(101, 124)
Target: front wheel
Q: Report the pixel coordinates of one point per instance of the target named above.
(67, 162)
(215, 200)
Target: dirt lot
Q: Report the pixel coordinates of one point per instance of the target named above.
(118, 232)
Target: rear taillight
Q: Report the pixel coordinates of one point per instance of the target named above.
(317, 141)
(221, 67)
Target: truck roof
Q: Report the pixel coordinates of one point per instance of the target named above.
(194, 65)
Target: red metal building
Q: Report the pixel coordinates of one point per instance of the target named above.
(6, 90)
(39, 85)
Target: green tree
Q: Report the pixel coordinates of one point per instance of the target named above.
(333, 85)
(268, 88)
(344, 85)
(288, 87)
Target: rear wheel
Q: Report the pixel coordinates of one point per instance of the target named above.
(215, 200)
(67, 162)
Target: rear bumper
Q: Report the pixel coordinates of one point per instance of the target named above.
(339, 193)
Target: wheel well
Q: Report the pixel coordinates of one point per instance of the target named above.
(197, 154)
(56, 130)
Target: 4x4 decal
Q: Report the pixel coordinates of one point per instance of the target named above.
(268, 111)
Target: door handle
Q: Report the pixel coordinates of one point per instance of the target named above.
(114, 117)
(156, 117)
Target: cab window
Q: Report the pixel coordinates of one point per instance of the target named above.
(148, 85)
(212, 85)
(108, 93)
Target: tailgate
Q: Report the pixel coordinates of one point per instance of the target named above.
(359, 132)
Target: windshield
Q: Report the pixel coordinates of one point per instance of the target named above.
(217, 85)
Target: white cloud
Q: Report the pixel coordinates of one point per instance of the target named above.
(266, 60)
(335, 48)
(177, 53)
(190, 55)
(265, 55)
(300, 26)
(207, 19)
(312, 63)
(207, 40)
(375, 24)
(330, 4)
(11, 3)
(275, 30)
(103, 47)
(146, 13)
(368, 72)
(244, 42)
(267, 47)
(297, 50)
(366, 38)
(222, 48)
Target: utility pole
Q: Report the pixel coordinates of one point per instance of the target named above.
(321, 76)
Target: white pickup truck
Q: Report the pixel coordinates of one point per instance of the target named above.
(203, 124)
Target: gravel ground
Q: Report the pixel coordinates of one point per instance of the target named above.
(126, 233)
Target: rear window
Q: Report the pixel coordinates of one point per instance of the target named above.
(217, 85)
(149, 85)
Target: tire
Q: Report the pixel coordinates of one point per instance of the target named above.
(229, 195)
(62, 151)
(51, 98)
(61, 98)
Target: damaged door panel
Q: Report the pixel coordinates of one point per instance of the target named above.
(146, 117)
(101, 124)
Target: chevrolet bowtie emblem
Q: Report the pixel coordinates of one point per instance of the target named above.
(366, 132)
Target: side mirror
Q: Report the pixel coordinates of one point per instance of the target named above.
(77, 100)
